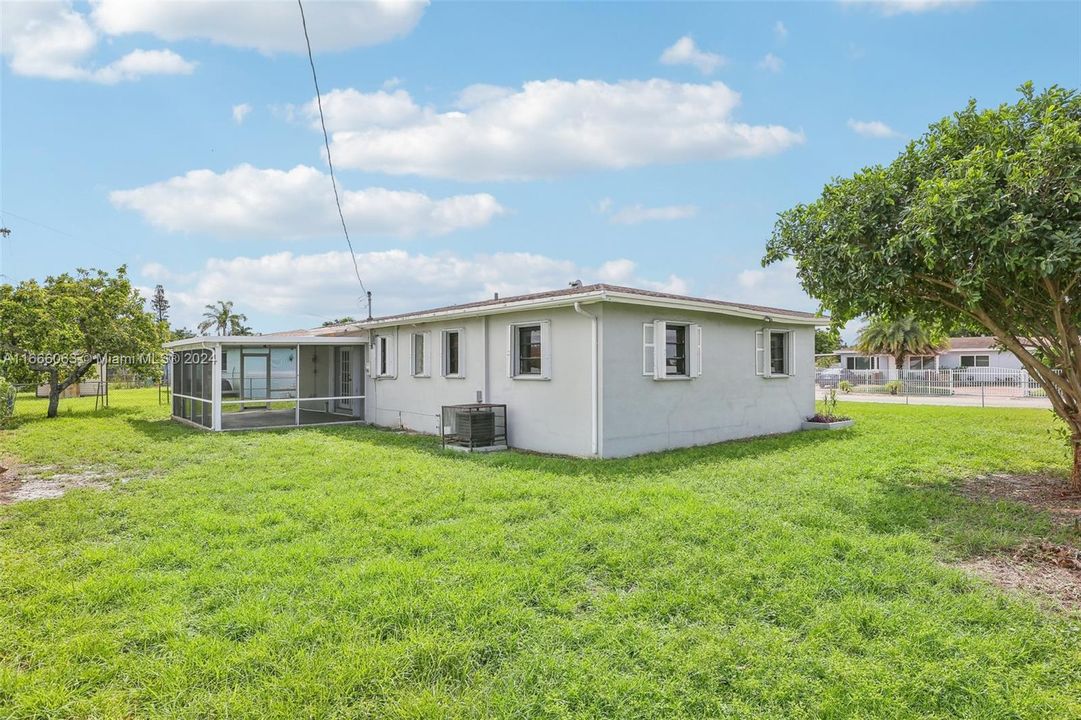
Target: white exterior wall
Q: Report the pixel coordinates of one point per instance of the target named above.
(728, 400)
(996, 359)
(546, 415)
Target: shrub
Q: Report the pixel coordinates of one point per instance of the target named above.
(845, 386)
(7, 402)
(894, 386)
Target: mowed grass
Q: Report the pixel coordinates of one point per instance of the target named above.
(355, 572)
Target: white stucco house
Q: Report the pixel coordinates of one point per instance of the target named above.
(963, 352)
(593, 371)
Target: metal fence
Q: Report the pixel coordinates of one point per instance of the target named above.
(978, 382)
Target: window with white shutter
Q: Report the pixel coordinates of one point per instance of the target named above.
(778, 353)
(676, 349)
(759, 352)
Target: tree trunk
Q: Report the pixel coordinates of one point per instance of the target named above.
(54, 394)
(1075, 476)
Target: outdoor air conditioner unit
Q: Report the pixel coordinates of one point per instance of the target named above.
(474, 428)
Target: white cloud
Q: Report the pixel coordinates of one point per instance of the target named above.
(685, 52)
(771, 63)
(545, 129)
(776, 285)
(295, 204)
(265, 26)
(347, 109)
(240, 112)
(872, 128)
(322, 285)
(901, 7)
(52, 40)
(635, 214)
(780, 31)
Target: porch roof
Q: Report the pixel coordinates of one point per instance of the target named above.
(266, 341)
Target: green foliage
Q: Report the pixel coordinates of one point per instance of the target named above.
(893, 387)
(827, 407)
(59, 329)
(844, 386)
(339, 321)
(977, 221)
(354, 572)
(7, 402)
(223, 321)
(899, 338)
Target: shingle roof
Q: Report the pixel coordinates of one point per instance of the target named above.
(582, 290)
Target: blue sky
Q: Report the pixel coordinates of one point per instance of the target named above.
(482, 146)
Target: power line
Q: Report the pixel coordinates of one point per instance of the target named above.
(326, 142)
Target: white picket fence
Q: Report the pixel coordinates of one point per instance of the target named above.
(972, 381)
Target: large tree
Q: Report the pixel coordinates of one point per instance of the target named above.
(221, 318)
(978, 221)
(899, 339)
(59, 329)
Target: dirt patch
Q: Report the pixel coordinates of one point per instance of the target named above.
(43, 482)
(1044, 493)
(1047, 570)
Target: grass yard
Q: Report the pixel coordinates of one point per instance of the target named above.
(353, 572)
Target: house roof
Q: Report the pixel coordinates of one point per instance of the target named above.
(591, 293)
(982, 343)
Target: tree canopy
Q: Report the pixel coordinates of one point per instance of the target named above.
(59, 329)
(220, 318)
(899, 339)
(976, 222)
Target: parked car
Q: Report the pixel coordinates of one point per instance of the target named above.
(828, 378)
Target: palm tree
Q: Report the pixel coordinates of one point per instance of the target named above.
(899, 338)
(223, 320)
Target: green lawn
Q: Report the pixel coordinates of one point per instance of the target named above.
(352, 572)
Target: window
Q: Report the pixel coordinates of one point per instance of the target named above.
(778, 353)
(671, 350)
(773, 353)
(419, 359)
(968, 361)
(452, 353)
(384, 357)
(921, 362)
(675, 349)
(529, 350)
(861, 362)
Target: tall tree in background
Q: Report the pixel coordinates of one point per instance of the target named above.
(59, 329)
(339, 321)
(899, 339)
(221, 318)
(978, 221)
(160, 303)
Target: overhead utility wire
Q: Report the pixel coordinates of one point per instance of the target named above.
(326, 142)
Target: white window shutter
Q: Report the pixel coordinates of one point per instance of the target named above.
(648, 357)
(695, 351)
(510, 351)
(546, 348)
(373, 355)
(413, 353)
(392, 354)
(789, 368)
(427, 352)
(660, 348)
(461, 353)
(759, 352)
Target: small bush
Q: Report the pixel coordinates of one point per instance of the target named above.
(894, 386)
(7, 402)
(845, 386)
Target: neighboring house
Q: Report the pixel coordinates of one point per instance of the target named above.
(963, 352)
(595, 370)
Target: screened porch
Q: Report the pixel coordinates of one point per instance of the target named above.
(250, 383)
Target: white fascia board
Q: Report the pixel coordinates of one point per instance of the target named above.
(268, 340)
(538, 303)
